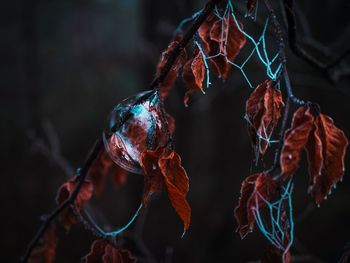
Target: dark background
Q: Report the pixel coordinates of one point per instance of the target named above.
(67, 63)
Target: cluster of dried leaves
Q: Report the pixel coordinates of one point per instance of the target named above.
(312, 131)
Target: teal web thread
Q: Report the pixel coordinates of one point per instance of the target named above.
(277, 226)
(118, 231)
(259, 48)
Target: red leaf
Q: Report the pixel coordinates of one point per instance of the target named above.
(251, 6)
(325, 145)
(161, 168)
(169, 81)
(103, 252)
(274, 255)
(193, 74)
(326, 152)
(263, 110)
(45, 251)
(176, 182)
(254, 188)
(295, 140)
(222, 36)
(153, 181)
(102, 167)
(68, 217)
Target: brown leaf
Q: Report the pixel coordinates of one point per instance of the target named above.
(45, 251)
(102, 252)
(68, 217)
(295, 140)
(222, 36)
(162, 168)
(263, 110)
(254, 188)
(193, 74)
(102, 167)
(251, 6)
(176, 182)
(274, 255)
(326, 152)
(169, 81)
(153, 181)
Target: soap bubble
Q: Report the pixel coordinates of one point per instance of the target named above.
(135, 125)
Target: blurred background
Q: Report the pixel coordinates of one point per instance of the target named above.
(67, 63)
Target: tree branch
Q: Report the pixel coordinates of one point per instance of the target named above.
(302, 53)
(81, 178)
(99, 143)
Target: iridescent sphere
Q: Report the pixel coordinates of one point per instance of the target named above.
(135, 125)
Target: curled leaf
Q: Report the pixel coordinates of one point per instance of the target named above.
(176, 183)
(102, 252)
(223, 40)
(153, 181)
(102, 167)
(263, 110)
(193, 75)
(162, 168)
(45, 251)
(274, 255)
(295, 140)
(251, 7)
(326, 153)
(68, 217)
(169, 81)
(256, 190)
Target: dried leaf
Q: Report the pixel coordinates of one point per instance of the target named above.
(222, 36)
(169, 81)
(263, 110)
(193, 74)
(254, 188)
(102, 252)
(176, 182)
(295, 140)
(153, 181)
(162, 168)
(102, 167)
(68, 217)
(274, 255)
(45, 251)
(251, 7)
(326, 152)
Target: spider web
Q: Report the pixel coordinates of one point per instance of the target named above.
(278, 228)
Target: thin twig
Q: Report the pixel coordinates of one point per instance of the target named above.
(81, 178)
(301, 52)
(183, 43)
(99, 143)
